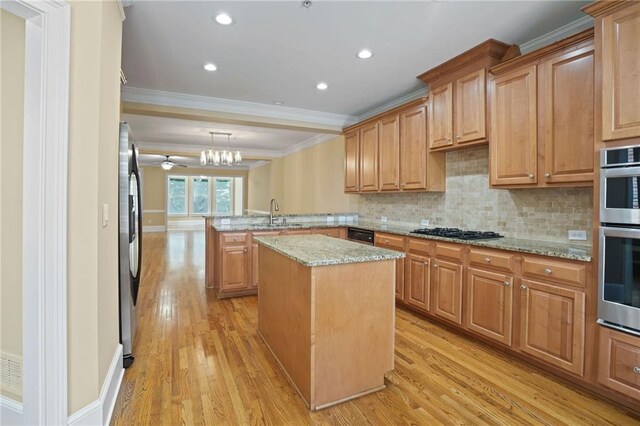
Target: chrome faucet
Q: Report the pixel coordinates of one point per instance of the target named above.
(272, 207)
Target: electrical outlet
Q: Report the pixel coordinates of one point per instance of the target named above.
(225, 221)
(383, 219)
(424, 222)
(330, 219)
(577, 235)
(341, 218)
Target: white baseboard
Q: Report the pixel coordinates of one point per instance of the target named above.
(154, 228)
(189, 224)
(10, 411)
(99, 411)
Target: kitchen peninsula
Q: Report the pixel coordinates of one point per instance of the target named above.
(326, 311)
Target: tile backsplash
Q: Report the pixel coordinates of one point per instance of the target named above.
(541, 214)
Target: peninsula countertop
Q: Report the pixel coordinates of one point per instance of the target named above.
(320, 250)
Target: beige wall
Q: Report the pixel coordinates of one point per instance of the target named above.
(154, 190)
(12, 50)
(308, 181)
(96, 29)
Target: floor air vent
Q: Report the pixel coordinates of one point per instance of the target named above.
(11, 374)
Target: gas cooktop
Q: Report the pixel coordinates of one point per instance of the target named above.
(457, 233)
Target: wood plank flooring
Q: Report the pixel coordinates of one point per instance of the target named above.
(199, 360)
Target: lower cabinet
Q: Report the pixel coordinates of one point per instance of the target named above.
(619, 362)
(417, 281)
(553, 324)
(447, 290)
(235, 268)
(489, 304)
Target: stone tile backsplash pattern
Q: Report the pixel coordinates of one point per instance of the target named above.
(468, 203)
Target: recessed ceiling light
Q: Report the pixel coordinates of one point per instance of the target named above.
(224, 19)
(278, 102)
(210, 67)
(365, 54)
(322, 86)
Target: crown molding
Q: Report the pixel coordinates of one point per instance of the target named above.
(181, 100)
(195, 149)
(258, 164)
(558, 34)
(420, 93)
(307, 143)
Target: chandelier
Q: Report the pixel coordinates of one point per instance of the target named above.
(216, 157)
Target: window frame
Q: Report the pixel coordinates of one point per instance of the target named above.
(186, 196)
(192, 197)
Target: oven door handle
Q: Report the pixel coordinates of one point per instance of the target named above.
(620, 172)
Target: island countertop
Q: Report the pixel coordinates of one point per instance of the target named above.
(320, 250)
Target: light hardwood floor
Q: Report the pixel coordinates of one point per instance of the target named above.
(199, 360)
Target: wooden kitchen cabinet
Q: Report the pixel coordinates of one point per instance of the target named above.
(369, 158)
(389, 143)
(447, 290)
(352, 161)
(514, 128)
(418, 281)
(255, 259)
(330, 232)
(235, 268)
(552, 322)
(471, 108)
(394, 242)
(413, 148)
(489, 304)
(441, 117)
(619, 362)
(620, 49)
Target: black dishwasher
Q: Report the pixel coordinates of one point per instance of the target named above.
(360, 235)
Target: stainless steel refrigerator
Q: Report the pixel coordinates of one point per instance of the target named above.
(130, 246)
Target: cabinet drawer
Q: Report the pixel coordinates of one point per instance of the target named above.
(329, 232)
(619, 362)
(390, 240)
(491, 259)
(420, 246)
(450, 251)
(564, 272)
(234, 238)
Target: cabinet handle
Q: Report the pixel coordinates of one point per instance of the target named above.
(547, 175)
(548, 271)
(507, 283)
(488, 260)
(523, 287)
(636, 370)
(531, 176)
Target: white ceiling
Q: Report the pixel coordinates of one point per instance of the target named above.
(278, 51)
(160, 134)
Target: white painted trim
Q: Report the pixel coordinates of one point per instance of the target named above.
(99, 412)
(122, 16)
(44, 232)
(181, 100)
(558, 34)
(192, 148)
(258, 164)
(314, 140)
(154, 228)
(422, 92)
(10, 411)
(185, 224)
(154, 211)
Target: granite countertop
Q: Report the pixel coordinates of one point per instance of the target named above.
(320, 250)
(545, 248)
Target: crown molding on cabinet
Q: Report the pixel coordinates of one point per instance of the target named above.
(558, 34)
(598, 8)
(420, 93)
(181, 100)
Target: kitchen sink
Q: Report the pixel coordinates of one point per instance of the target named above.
(284, 225)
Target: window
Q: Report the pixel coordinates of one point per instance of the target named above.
(177, 196)
(200, 202)
(224, 201)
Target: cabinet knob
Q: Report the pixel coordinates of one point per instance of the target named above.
(523, 287)
(245, 250)
(531, 176)
(458, 137)
(235, 239)
(386, 241)
(435, 265)
(547, 175)
(488, 260)
(402, 184)
(636, 370)
(548, 271)
(448, 139)
(507, 283)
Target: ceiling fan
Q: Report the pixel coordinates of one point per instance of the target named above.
(167, 164)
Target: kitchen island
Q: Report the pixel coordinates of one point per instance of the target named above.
(326, 310)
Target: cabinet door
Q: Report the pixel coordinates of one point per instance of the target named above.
(235, 271)
(447, 293)
(553, 325)
(418, 281)
(567, 100)
(489, 304)
(619, 362)
(471, 108)
(255, 263)
(514, 125)
(413, 148)
(621, 74)
(389, 141)
(297, 232)
(369, 158)
(352, 161)
(399, 273)
(441, 116)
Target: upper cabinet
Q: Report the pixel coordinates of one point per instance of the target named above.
(542, 116)
(389, 153)
(618, 24)
(457, 97)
